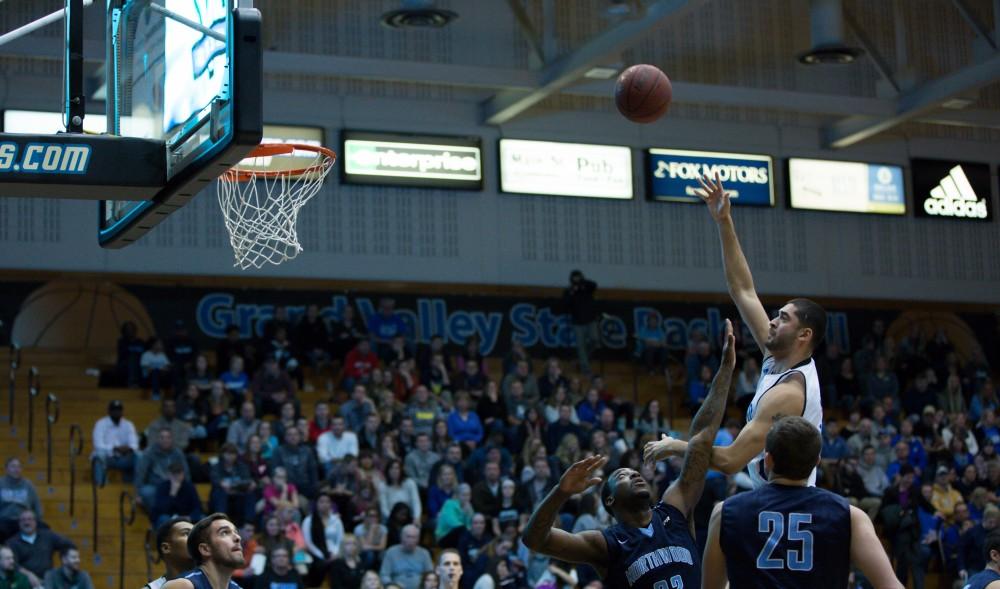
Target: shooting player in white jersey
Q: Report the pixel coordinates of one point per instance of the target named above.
(788, 382)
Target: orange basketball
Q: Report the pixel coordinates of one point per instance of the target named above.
(643, 93)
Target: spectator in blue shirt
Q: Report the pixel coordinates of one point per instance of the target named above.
(464, 425)
(589, 410)
(698, 389)
(385, 326)
(902, 460)
(918, 456)
(651, 343)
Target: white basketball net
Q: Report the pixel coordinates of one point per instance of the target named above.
(261, 208)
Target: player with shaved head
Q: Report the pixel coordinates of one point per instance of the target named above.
(651, 547)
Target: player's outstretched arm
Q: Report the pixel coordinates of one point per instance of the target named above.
(583, 548)
(685, 492)
(738, 276)
(713, 564)
(867, 553)
(785, 398)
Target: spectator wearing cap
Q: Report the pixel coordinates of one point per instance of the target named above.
(175, 496)
(69, 575)
(232, 486)
(16, 495)
(33, 547)
(272, 387)
(115, 444)
(10, 576)
(153, 466)
(944, 497)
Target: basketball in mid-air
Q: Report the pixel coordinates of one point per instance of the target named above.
(643, 93)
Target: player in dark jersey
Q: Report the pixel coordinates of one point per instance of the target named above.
(215, 547)
(989, 578)
(787, 534)
(650, 547)
(171, 545)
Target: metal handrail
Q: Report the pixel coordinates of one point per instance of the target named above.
(34, 387)
(75, 449)
(93, 494)
(125, 499)
(152, 556)
(51, 417)
(15, 361)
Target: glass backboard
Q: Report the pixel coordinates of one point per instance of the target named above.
(173, 77)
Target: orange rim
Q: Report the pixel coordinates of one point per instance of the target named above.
(273, 149)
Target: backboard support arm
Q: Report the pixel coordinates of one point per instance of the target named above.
(75, 99)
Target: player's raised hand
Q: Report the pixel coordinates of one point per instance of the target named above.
(658, 450)
(715, 196)
(582, 475)
(729, 347)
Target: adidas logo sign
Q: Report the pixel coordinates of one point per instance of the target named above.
(954, 197)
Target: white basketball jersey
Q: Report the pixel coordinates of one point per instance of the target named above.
(813, 410)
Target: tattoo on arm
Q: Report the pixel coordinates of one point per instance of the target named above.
(704, 426)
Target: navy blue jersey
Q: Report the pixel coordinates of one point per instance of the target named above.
(981, 580)
(786, 536)
(662, 555)
(200, 581)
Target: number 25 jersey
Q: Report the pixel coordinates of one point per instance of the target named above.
(786, 536)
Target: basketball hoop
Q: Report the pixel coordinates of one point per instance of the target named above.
(261, 196)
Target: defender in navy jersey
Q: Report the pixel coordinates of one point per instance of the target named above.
(788, 383)
(989, 578)
(215, 547)
(787, 534)
(651, 547)
(171, 545)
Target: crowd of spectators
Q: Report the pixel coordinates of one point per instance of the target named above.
(416, 446)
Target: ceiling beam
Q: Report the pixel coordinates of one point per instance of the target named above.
(493, 79)
(569, 68)
(528, 30)
(970, 17)
(915, 103)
